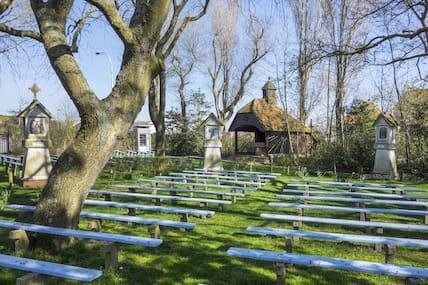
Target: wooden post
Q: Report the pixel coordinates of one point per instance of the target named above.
(233, 198)
(412, 281)
(154, 231)
(184, 217)
(203, 204)
(10, 176)
(95, 225)
(131, 212)
(21, 239)
(426, 217)
(389, 253)
(296, 226)
(31, 279)
(107, 197)
(173, 193)
(111, 251)
(378, 247)
(280, 273)
(289, 244)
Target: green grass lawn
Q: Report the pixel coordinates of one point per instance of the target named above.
(199, 256)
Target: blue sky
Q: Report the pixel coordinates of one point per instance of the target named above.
(24, 71)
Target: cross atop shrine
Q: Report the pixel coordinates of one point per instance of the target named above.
(35, 89)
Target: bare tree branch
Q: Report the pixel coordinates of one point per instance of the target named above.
(21, 33)
(111, 13)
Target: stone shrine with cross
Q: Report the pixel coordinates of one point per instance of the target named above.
(37, 162)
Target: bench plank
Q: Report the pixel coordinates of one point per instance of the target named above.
(113, 217)
(199, 213)
(345, 222)
(258, 175)
(205, 180)
(231, 187)
(354, 200)
(49, 268)
(340, 237)
(178, 190)
(320, 186)
(151, 196)
(149, 242)
(329, 262)
(246, 180)
(394, 185)
(351, 209)
(357, 194)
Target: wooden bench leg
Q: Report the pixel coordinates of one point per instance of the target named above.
(389, 253)
(426, 217)
(154, 231)
(233, 198)
(21, 239)
(412, 281)
(95, 225)
(107, 197)
(296, 226)
(289, 244)
(378, 247)
(280, 273)
(184, 217)
(220, 207)
(173, 193)
(203, 204)
(31, 279)
(111, 251)
(131, 211)
(157, 201)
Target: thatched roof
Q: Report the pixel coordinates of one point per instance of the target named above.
(271, 117)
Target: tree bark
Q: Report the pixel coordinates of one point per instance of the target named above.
(105, 122)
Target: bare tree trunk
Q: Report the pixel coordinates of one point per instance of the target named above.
(157, 102)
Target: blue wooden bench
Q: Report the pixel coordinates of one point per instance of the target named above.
(154, 230)
(174, 191)
(215, 177)
(364, 212)
(206, 180)
(158, 198)
(353, 188)
(394, 185)
(110, 248)
(236, 173)
(371, 188)
(377, 225)
(182, 212)
(358, 194)
(280, 258)
(202, 185)
(389, 242)
(361, 201)
(12, 164)
(47, 268)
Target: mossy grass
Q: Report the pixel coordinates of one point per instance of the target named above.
(199, 256)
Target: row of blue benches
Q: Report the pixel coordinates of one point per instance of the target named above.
(410, 273)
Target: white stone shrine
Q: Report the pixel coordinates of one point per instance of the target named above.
(212, 143)
(385, 165)
(37, 162)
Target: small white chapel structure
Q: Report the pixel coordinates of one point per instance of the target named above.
(385, 165)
